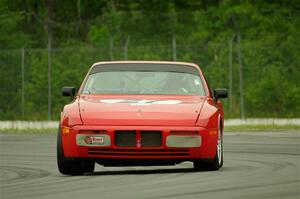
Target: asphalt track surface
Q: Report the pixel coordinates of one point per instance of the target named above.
(257, 165)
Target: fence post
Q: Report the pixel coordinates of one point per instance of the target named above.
(49, 79)
(174, 49)
(111, 46)
(22, 79)
(241, 75)
(126, 48)
(230, 72)
(238, 34)
(49, 8)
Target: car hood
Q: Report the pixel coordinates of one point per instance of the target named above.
(140, 110)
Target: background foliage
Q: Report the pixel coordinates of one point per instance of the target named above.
(83, 32)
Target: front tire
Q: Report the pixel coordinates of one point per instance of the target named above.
(217, 162)
(71, 167)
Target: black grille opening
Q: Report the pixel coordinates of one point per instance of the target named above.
(125, 138)
(151, 138)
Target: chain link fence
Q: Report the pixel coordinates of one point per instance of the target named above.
(31, 79)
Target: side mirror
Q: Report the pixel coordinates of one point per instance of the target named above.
(68, 91)
(220, 93)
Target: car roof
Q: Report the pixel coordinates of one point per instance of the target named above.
(146, 62)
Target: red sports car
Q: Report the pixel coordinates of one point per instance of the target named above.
(141, 113)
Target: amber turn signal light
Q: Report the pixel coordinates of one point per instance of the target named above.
(65, 130)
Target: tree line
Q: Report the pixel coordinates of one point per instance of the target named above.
(220, 36)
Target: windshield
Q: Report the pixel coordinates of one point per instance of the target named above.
(140, 82)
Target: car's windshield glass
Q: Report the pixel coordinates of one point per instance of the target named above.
(138, 82)
(141, 82)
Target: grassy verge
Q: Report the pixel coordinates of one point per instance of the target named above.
(28, 131)
(240, 128)
(262, 128)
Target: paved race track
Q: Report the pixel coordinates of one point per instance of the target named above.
(257, 165)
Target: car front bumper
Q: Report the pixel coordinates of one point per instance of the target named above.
(200, 144)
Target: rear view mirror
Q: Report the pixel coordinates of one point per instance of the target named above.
(220, 93)
(68, 91)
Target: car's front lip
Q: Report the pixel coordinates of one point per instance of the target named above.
(164, 151)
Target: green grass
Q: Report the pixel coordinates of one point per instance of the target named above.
(28, 131)
(263, 128)
(240, 128)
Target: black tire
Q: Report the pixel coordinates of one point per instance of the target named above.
(216, 163)
(71, 167)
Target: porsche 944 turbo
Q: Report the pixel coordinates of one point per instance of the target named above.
(141, 113)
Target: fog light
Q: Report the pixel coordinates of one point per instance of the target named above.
(183, 141)
(93, 140)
